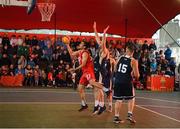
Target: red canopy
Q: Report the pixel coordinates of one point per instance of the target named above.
(79, 15)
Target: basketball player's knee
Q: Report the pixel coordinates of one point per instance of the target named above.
(95, 90)
(119, 101)
(91, 82)
(131, 100)
(101, 93)
(81, 88)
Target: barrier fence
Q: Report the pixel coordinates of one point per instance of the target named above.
(160, 83)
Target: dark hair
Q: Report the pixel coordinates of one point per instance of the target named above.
(86, 44)
(131, 46)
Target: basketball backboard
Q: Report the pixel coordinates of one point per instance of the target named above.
(30, 4)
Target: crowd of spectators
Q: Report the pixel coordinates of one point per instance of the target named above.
(44, 62)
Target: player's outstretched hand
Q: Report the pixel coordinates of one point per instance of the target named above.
(71, 70)
(94, 25)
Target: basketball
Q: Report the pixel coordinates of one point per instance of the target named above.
(65, 40)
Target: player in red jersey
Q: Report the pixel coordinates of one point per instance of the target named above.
(87, 66)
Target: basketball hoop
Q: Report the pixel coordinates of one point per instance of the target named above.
(46, 10)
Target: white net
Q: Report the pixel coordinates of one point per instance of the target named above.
(46, 10)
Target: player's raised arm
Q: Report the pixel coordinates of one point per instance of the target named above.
(96, 34)
(104, 48)
(66, 40)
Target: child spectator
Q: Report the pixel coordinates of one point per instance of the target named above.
(68, 76)
(5, 70)
(44, 78)
(37, 75)
(31, 62)
(153, 66)
(19, 70)
(29, 76)
(11, 70)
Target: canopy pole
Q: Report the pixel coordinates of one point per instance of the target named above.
(158, 21)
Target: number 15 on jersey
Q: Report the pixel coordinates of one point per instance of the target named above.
(122, 68)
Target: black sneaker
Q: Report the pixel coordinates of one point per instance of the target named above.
(131, 119)
(95, 109)
(117, 120)
(83, 108)
(101, 110)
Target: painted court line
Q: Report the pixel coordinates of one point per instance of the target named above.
(156, 106)
(169, 101)
(71, 92)
(45, 91)
(70, 103)
(158, 113)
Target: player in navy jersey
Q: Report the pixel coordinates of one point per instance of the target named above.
(126, 69)
(104, 69)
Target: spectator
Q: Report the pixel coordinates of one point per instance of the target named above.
(164, 64)
(169, 72)
(66, 56)
(14, 61)
(5, 40)
(20, 40)
(93, 47)
(4, 70)
(31, 62)
(29, 76)
(47, 42)
(143, 71)
(145, 46)
(172, 64)
(38, 53)
(23, 50)
(48, 52)
(12, 50)
(37, 75)
(12, 70)
(159, 71)
(152, 46)
(68, 76)
(1, 50)
(28, 40)
(19, 70)
(0, 40)
(23, 62)
(153, 66)
(41, 44)
(60, 79)
(44, 78)
(56, 53)
(60, 43)
(5, 60)
(73, 44)
(34, 41)
(168, 53)
(152, 55)
(13, 40)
